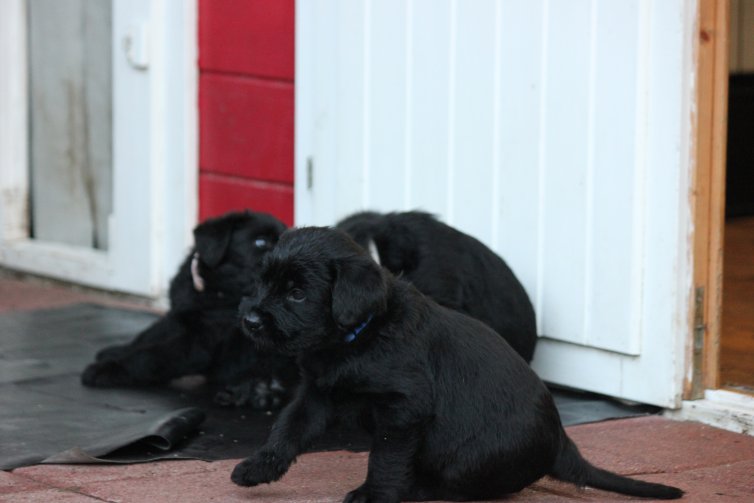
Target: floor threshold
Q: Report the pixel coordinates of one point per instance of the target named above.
(725, 409)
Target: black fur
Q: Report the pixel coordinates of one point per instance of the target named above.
(453, 268)
(456, 414)
(200, 333)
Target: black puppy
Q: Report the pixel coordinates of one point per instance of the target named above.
(200, 332)
(453, 268)
(456, 413)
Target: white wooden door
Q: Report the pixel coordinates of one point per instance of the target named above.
(144, 210)
(555, 131)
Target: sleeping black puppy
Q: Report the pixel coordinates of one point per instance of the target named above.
(453, 268)
(456, 414)
(200, 333)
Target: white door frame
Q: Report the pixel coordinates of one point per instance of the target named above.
(155, 166)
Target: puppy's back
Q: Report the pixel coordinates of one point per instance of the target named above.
(491, 409)
(455, 269)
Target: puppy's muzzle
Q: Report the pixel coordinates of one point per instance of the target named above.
(252, 321)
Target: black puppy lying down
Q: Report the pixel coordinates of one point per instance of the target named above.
(453, 268)
(455, 413)
(200, 333)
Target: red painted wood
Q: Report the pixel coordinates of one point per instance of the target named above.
(253, 37)
(220, 194)
(246, 127)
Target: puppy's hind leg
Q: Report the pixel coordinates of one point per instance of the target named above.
(426, 490)
(391, 467)
(150, 360)
(420, 489)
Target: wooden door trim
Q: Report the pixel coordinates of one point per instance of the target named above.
(708, 197)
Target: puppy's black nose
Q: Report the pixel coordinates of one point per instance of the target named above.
(252, 321)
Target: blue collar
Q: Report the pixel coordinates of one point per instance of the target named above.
(351, 336)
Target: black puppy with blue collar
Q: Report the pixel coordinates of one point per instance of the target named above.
(456, 413)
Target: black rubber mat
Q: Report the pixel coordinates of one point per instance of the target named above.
(47, 416)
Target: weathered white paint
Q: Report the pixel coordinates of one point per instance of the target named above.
(14, 151)
(556, 132)
(721, 408)
(154, 157)
(70, 109)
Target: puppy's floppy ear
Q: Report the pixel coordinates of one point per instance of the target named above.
(211, 239)
(359, 291)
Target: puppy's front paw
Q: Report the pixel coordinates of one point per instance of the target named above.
(105, 374)
(260, 468)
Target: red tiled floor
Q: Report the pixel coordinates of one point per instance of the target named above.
(11, 483)
(653, 444)
(21, 294)
(80, 475)
(635, 447)
(708, 463)
(315, 477)
(17, 488)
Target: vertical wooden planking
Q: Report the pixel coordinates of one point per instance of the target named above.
(521, 83)
(14, 134)
(565, 169)
(540, 193)
(350, 108)
(667, 225)
(474, 119)
(429, 101)
(496, 128)
(612, 259)
(567, 108)
(451, 123)
(317, 127)
(408, 116)
(386, 103)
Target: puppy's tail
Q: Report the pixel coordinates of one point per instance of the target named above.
(570, 466)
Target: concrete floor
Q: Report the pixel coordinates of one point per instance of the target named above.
(708, 463)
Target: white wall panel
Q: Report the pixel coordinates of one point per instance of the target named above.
(352, 107)
(428, 83)
(617, 173)
(516, 234)
(385, 104)
(472, 130)
(554, 131)
(566, 171)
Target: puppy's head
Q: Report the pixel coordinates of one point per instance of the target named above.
(230, 248)
(317, 287)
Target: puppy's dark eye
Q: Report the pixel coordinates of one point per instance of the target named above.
(296, 295)
(262, 243)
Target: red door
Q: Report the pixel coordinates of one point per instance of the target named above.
(246, 78)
